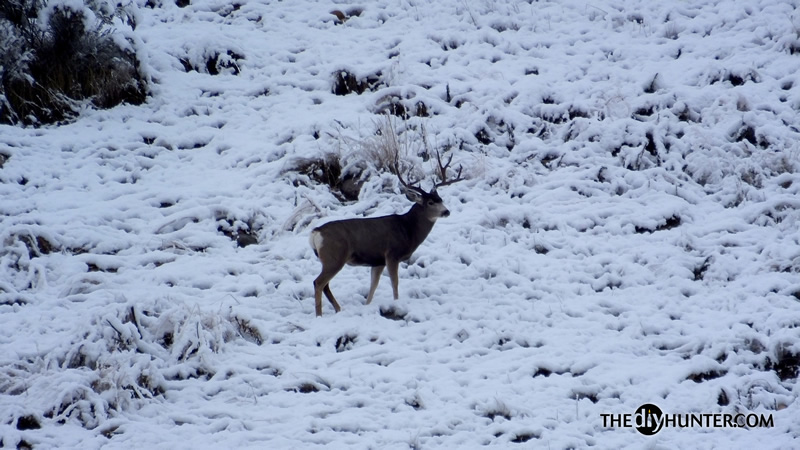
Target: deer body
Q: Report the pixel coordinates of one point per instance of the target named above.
(362, 240)
(377, 242)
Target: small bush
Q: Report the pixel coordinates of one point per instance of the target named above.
(344, 181)
(345, 83)
(391, 150)
(54, 57)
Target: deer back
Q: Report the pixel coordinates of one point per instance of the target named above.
(370, 241)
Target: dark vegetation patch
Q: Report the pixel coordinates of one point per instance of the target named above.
(540, 249)
(786, 364)
(345, 342)
(304, 388)
(499, 410)
(404, 108)
(247, 330)
(559, 114)
(393, 313)
(580, 395)
(327, 170)
(668, 224)
(483, 136)
(700, 271)
(415, 402)
(549, 158)
(747, 133)
(11, 299)
(722, 398)
(243, 233)
(448, 44)
(653, 86)
(650, 145)
(93, 267)
(345, 83)
(545, 372)
(167, 339)
(48, 69)
(215, 63)
(160, 3)
(108, 431)
(343, 16)
(734, 78)
(687, 114)
(28, 422)
(520, 438)
(645, 111)
(37, 245)
(699, 377)
(794, 47)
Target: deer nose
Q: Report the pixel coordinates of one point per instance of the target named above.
(446, 213)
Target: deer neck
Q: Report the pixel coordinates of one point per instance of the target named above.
(417, 224)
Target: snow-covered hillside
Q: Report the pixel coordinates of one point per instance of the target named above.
(628, 232)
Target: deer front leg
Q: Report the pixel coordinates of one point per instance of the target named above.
(374, 279)
(393, 266)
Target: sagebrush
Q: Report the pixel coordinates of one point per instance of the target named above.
(56, 57)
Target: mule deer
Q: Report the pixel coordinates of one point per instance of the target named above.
(378, 242)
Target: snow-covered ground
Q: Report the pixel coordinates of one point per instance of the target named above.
(628, 233)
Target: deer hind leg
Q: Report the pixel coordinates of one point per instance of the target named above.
(374, 279)
(393, 266)
(321, 285)
(331, 299)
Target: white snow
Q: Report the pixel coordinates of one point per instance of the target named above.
(628, 235)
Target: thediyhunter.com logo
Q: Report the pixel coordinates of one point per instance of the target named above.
(648, 419)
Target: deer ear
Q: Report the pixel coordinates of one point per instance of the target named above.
(414, 196)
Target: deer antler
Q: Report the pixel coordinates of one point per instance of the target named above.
(399, 174)
(442, 171)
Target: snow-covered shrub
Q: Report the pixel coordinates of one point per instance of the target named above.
(344, 180)
(390, 149)
(345, 82)
(396, 147)
(55, 55)
(122, 361)
(212, 61)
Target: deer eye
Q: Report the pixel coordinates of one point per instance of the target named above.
(430, 202)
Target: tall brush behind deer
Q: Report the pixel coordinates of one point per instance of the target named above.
(378, 242)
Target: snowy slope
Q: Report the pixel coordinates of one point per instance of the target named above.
(628, 233)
